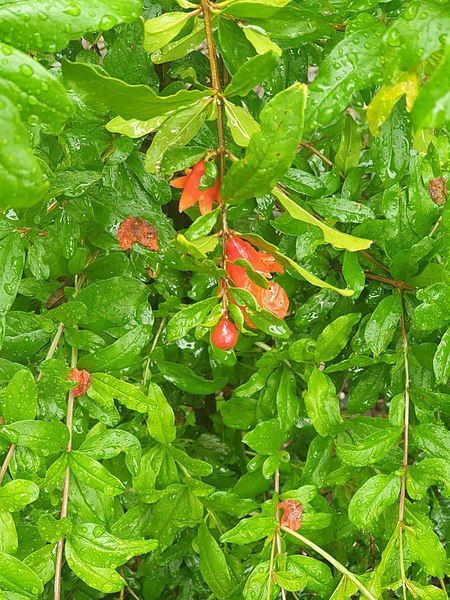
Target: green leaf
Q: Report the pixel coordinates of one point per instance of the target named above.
(432, 106)
(426, 549)
(310, 573)
(36, 93)
(185, 379)
(433, 312)
(353, 64)
(160, 421)
(122, 353)
(287, 399)
(183, 46)
(382, 325)
(347, 156)
(332, 236)
(21, 179)
(177, 131)
(335, 336)
(112, 442)
(269, 323)
(16, 494)
(16, 577)
(441, 360)
(258, 587)
(240, 122)
(433, 439)
(194, 466)
(102, 549)
(106, 387)
(253, 72)
(250, 530)
(8, 534)
(251, 8)
(44, 437)
(289, 263)
(353, 273)
(19, 402)
(161, 30)
(213, 565)
(189, 317)
(266, 438)
(369, 450)
(271, 150)
(129, 101)
(57, 22)
(428, 472)
(104, 579)
(94, 474)
(372, 499)
(322, 403)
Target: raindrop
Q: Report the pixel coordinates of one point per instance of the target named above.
(107, 22)
(393, 38)
(26, 70)
(38, 40)
(74, 11)
(32, 100)
(7, 51)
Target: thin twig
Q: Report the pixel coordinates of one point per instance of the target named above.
(272, 557)
(6, 461)
(152, 347)
(65, 492)
(336, 564)
(373, 260)
(401, 285)
(322, 156)
(401, 508)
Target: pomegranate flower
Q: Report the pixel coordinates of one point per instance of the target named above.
(192, 194)
(134, 229)
(274, 298)
(83, 379)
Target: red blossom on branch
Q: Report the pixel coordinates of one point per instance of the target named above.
(134, 229)
(192, 193)
(224, 334)
(83, 379)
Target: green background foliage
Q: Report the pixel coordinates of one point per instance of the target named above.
(334, 118)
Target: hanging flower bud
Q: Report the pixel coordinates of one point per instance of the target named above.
(292, 514)
(83, 379)
(224, 334)
(190, 184)
(134, 229)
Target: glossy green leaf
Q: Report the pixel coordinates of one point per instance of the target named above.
(322, 403)
(177, 131)
(43, 437)
(188, 381)
(432, 106)
(287, 399)
(241, 123)
(369, 450)
(16, 494)
(213, 565)
(122, 353)
(441, 360)
(94, 474)
(159, 31)
(9, 542)
(250, 530)
(332, 236)
(56, 22)
(433, 439)
(16, 577)
(253, 72)
(107, 387)
(382, 325)
(335, 336)
(19, 402)
(372, 499)
(271, 150)
(160, 420)
(128, 101)
(103, 579)
(347, 156)
(112, 442)
(189, 317)
(266, 438)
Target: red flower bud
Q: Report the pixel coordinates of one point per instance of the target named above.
(224, 334)
(83, 379)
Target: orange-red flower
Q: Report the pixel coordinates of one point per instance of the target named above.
(83, 379)
(192, 193)
(134, 229)
(292, 514)
(274, 298)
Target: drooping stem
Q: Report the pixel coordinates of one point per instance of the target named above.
(65, 493)
(49, 355)
(336, 564)
(401, 508)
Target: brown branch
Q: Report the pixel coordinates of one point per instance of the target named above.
(401, 285)
(322, 156)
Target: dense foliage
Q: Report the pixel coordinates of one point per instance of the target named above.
(234, 386)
